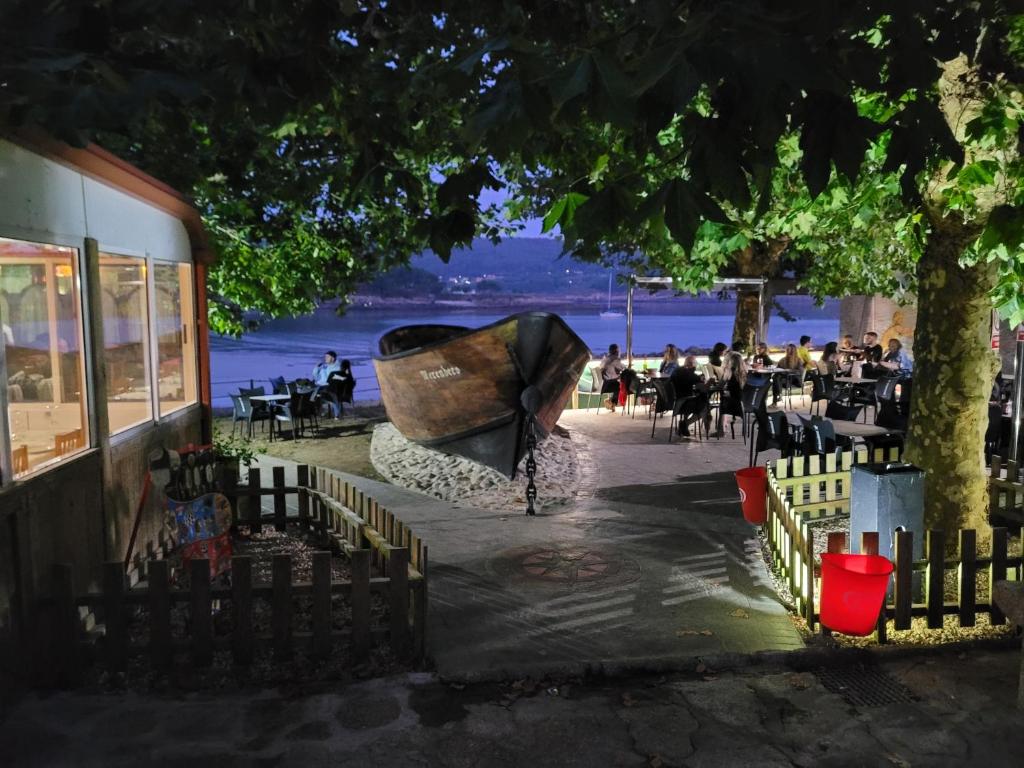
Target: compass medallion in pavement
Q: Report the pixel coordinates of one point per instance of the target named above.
(568, 566)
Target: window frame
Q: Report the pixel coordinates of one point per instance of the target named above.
(127, 253)
(87, 403)
(154, 336)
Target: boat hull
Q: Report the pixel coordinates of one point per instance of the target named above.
(459, 390)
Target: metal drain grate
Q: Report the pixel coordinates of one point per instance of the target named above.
(865, 686)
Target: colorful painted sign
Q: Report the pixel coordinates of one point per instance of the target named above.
(203, 530)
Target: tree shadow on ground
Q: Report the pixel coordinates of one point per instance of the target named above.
(713, 493)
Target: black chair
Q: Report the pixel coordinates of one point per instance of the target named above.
(822, 387)
(260, 409)
(277, 386)
(994, 430)
(664, 401)
(297, 412)
(772, 432)
(841, 412)
(754, 399)
(863, 395)
(819, 437)
(630, 378)
(793, 382)
(243, 410)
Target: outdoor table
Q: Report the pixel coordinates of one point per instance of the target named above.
(853, 380)
(851, 429)
(271, 401)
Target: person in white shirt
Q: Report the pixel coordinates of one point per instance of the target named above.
(322, 372)
(611, 368)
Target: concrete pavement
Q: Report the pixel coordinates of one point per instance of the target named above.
(955, 711)
(653, 566)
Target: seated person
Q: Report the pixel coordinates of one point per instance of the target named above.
(761, 357)
(611, 368)
(715, 358)
(804, 353)
(829, 362)
(322, 372)
(791, 362)
(897, 360)
(872, 356)
(669, 360)
(689, 385)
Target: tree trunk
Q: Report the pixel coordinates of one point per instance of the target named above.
(745, 325)
(759, 259)
(953, 372)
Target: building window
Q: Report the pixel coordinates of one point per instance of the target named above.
(174, 318)
(126, 341)
(45, 366)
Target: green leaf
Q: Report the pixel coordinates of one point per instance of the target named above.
(572, 81)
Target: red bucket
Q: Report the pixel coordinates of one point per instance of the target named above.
(753, 484)
(852, 590)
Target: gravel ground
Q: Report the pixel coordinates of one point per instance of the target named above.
(465, 482)
(919, 633)
(222, 674)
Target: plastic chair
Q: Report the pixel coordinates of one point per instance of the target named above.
(841, 412)
(277, 386)
(822, 386)
(243, 410)
(793, 382)
(772, 432)
(753, 400)
(665, 398)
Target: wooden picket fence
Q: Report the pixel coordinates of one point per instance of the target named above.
(807, 490)
(385, 559)
(1006, 490)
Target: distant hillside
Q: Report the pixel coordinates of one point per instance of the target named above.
(519, 265)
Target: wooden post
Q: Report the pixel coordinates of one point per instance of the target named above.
(281, 605)
(321, 605)
(280, 504)
(935, 543)
(303, 483)
(968, 577)
(421, 638)
(202, 620)
(255, 502)
(869, 546)
(67, 655)
(360, 603)
(808, 577)
(159, 615)
(836, 543)
(903, 589)
(241, 598)
(997, 570)
(116, 639)
(398, 561)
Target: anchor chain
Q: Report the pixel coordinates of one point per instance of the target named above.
(531, 465)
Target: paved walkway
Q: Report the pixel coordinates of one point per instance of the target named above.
(652, 566)
(958, 711)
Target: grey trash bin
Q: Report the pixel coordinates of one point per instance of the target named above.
(886, 498)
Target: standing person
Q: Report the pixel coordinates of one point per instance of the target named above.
(669, 360)
(611, 368)
(804, 351)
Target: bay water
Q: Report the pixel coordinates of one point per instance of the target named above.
(292, 347)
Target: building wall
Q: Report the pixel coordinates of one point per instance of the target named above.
(80, 511)
(860, 314)
(44, 201)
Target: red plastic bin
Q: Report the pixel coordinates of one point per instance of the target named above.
(753, 485)
(852, 590)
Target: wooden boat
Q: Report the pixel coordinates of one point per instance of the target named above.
(460, 390)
